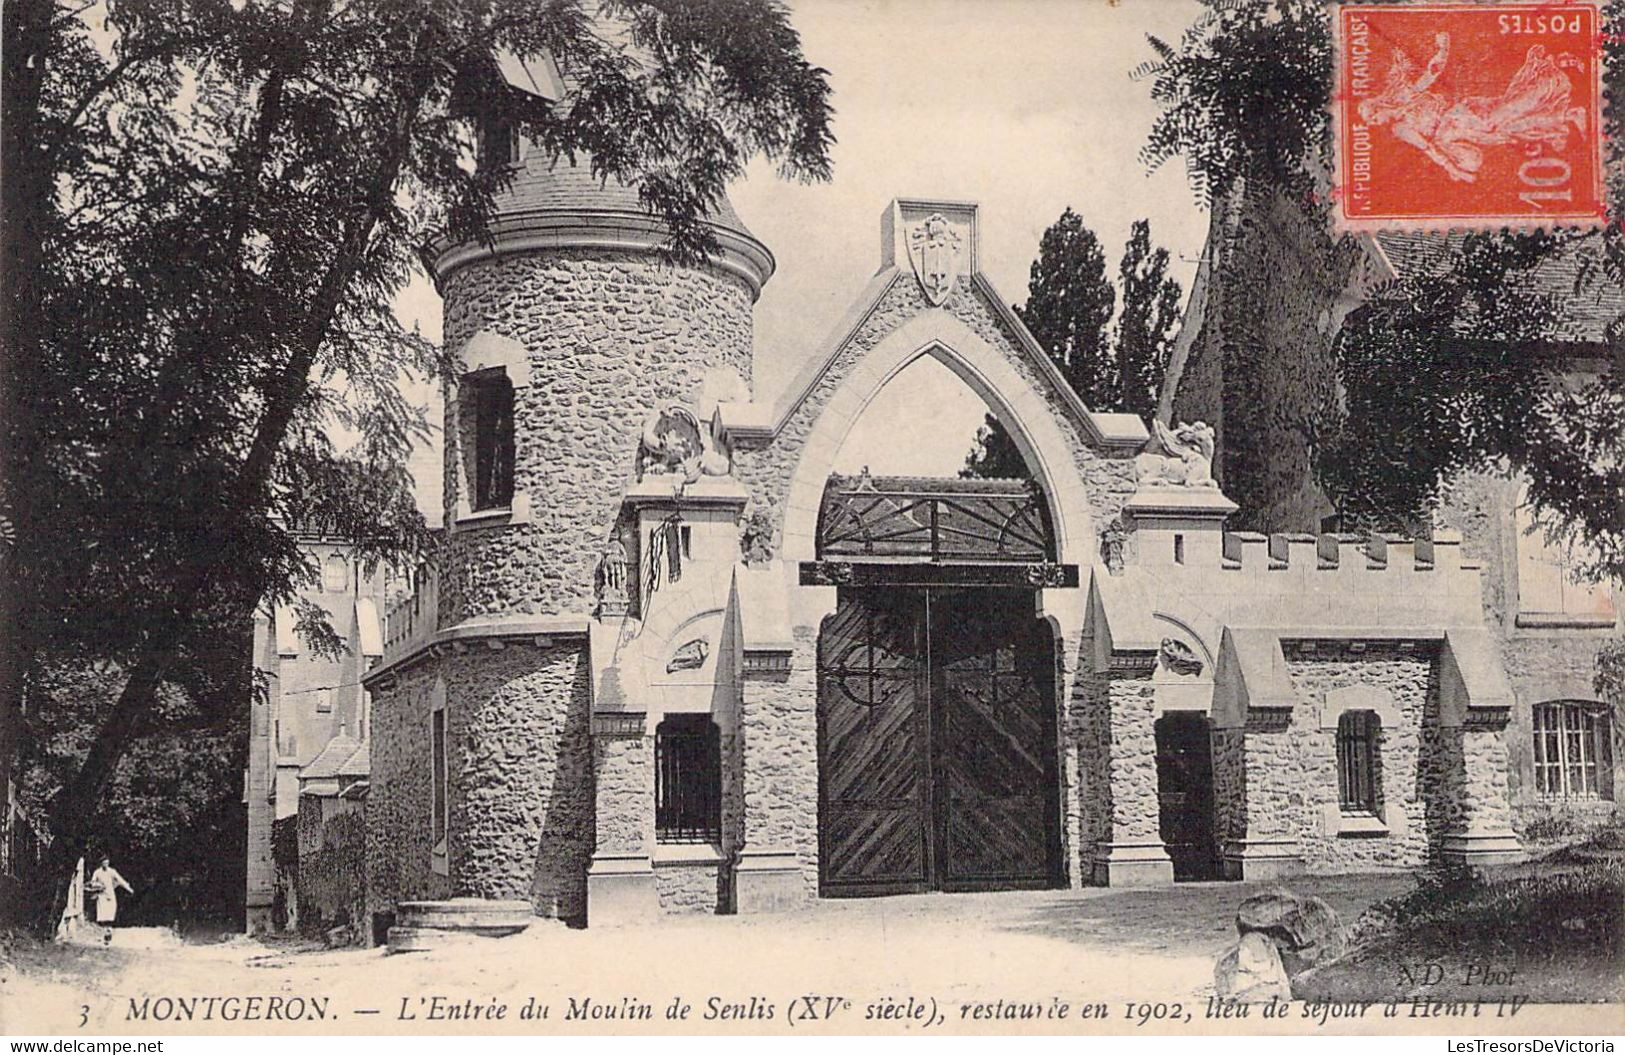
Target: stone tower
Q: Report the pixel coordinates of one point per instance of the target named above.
(574, 338)
(593, 330)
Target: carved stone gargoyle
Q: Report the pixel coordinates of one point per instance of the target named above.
(756, 538)
(1179, 657)
(674, 441)
(610, 579)
(1177, 457)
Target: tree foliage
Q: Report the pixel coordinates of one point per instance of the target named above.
(1243, 96)
(1436, 373)
(1069, 304)
(1145, 326)
(1445, 373)
(171, 815)
(1070, 301)
(209, 208)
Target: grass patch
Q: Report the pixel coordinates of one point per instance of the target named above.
(26, 954)
(1551, 937)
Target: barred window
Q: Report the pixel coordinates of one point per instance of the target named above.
(1357, 761)
(1571, 751)
(493, 440)
(688, 780)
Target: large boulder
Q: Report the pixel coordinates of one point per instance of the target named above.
(1305, 930)
(1252, 971)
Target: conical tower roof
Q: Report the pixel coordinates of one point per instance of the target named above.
(543, 185)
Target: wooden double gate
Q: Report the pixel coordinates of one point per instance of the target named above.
(936, 743)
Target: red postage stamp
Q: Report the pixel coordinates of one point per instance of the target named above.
(1468, 116)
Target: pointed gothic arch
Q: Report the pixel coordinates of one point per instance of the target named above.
(1025, 412)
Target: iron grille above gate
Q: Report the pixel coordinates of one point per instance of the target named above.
(934, 519)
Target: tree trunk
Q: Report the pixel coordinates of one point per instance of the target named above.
(25, 203)
(75, 805)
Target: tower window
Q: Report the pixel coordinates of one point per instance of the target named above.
(1179, 549)
(499, 143)
(493, 440)
(1357, 761)
(688, 780)
(1571, 751)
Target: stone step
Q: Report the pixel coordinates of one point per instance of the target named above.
(422, 925)
(124, 937)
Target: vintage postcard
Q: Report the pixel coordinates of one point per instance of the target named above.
(896, 517)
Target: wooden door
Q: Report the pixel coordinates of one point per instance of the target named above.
(996, 794)
(873, 778)
(1185, 793)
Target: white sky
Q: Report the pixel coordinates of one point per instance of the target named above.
(1025, 106)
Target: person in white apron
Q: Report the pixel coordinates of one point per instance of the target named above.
(104, 883)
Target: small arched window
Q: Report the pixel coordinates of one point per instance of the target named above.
(1357, 761)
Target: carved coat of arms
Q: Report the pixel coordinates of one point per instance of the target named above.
(933, 249)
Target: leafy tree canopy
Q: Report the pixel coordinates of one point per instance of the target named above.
(1070, 301)
(1438, 373)
(209, 207)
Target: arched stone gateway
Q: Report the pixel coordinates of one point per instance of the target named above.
(669, 664)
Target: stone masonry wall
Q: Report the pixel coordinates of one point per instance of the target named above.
(1274, 782)
(1542, 663)
(1086, 748)
(1072, 661)
(1410, 776)
(399, 803)
(1135, 812)
(687, 888)
(519, 773)
(623, 777)
(522, 800)
(778, 758)
(733, 806)
(1229, 785)
(611, 336)
(1108, 475)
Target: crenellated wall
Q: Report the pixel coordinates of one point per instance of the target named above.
(1288, 633)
